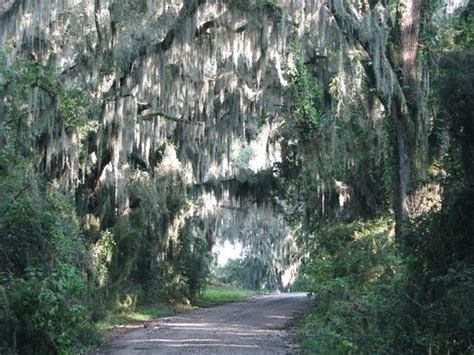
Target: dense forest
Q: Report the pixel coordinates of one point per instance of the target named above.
(333, 139)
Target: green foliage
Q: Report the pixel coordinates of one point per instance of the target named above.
(306, 97)
(231, 273)
(352, 271)
(193, 259)
(439, 278)
(334, 152)
(42, 261)
(369, 298)
(243, 157)
(151, 252)
(441, 244)
(28, 89)
(43, 258)
(465, 27)
(250, 272)
(74, 105)
(453, 32)
(456, 85)
(48, 311)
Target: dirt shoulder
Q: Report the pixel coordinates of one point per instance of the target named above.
(257, 325)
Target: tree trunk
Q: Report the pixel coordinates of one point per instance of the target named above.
(403, 169)
(405, 112)
(404, 105)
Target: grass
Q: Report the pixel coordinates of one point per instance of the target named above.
(126, 316)
(218, 294)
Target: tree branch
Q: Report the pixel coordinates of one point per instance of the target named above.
(150, 116)
(14, 199)
(219, 119)
(45, 88)
(234, 208)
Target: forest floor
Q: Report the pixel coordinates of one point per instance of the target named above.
(255, 325)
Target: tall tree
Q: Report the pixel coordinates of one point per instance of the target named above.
(396, 77)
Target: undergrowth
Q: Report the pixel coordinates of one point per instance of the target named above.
(372, 299)
(351, 271)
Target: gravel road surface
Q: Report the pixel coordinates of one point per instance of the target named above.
(256, 325)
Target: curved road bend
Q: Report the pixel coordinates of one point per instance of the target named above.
(256, 325)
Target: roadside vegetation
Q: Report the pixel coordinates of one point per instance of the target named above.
(63, 278)
(388, 283)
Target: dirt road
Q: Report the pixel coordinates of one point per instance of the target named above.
(257, 325)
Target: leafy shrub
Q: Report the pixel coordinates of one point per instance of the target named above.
(249, 272)
(369, 299)
(352, 272)
(440, 280)
(42, 264)
(193, 259)
(231, 273)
